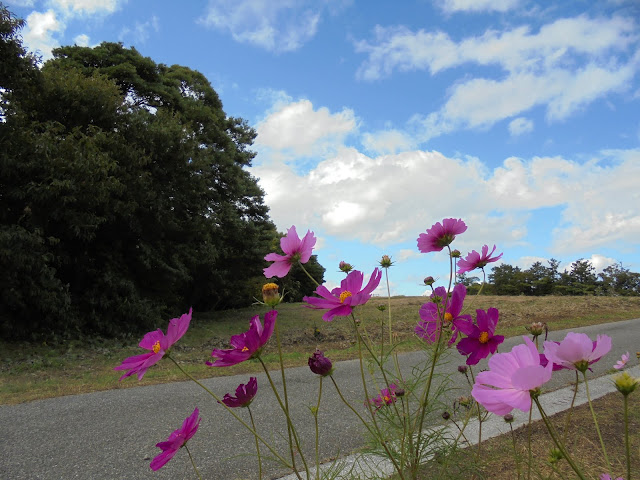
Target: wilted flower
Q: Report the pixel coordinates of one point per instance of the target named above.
(341, 300)
(158, 345)
(295, 250)
(577, 351)
(270, 294)
(319, 364)
(440, 235)
(510, 379)
(625, 383)
(620, 364)
(480, 341)
(248, 344)
(244, 394)
(474, 260)
(435, 316)
(345, 267)
(176, 440)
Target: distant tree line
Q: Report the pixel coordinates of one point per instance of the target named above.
(124, 194)
(540, 279)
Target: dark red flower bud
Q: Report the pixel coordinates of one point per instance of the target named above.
(319, 364)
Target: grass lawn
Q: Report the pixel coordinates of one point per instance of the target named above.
(31, 371)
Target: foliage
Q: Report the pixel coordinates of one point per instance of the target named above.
(124, 193)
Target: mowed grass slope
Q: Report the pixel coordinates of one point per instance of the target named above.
(30, 371)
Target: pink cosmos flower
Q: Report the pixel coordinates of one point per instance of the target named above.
(244, 394)
(510, 378)
(158, 345)
(440, 235)
(480, 341)
(295, 250)
(606, 476)
(248, 344)
(176, 440)
(620, 364)
(430, 326)
(341, 300)
(474, 260)
(387, 397)
(577, 351)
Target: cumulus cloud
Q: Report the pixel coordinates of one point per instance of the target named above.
(519, 126)
(275, 25)
(81, 40)
(41, 31)
(297, 128)
(86, 6)
(564, 66)
(387, 141)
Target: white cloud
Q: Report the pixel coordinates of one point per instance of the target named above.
(40, 31)
(519, 126)
(450, 6)
(387, 141)
(600, 262)
(565, 66)
(141, 31)
(275, 25)
(89, 7)
(81, 40)
(298, 128)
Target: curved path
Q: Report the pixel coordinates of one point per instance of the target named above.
(112, 434)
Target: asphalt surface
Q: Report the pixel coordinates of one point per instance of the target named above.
(112, 434)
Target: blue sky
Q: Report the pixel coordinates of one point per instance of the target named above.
(377, 119)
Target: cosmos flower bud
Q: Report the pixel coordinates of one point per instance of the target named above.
(319, 364)
(381, 306)
(270, 294)
(462, 368)
(345, 267)
(555, 455)
(386, 261)
(625, 383)
(400, 392)
(536, 329)
(446, 415)
(508, 418)
(455, 253)
(428, 281)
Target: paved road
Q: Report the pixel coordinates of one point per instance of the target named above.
(112, 435)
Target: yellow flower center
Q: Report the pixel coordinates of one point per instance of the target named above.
(268, 287)
(344, 295)
(448, 317)
(387, 398)
(484, 337)
(156, 347)
(245, 349)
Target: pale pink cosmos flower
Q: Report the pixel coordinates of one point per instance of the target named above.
(577, 351)
(474, 260)
(295, 250)
(440, 235)
(620, 364)
(510, 379)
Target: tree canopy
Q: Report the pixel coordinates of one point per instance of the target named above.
(124, 195)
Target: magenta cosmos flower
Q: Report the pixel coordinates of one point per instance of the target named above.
(158, 345)
(620, 364)
(387, 397)
(431, 325)
(480, 341)
(440, 235)
(510, 379)
(319, 364)
(295, 250)
(246, 345)
(244, 394)
(176, 440)
(341, 300)
(474, 260)
(577, 351)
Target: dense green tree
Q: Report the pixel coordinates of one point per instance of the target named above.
(124, 194)
(506, 280)
(618, 280)
(580, 279)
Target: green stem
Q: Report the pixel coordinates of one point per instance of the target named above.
(192, 462)
(529, 445)
(595, 421)
(253, 424)
(516, 456)
(315, 417)
(308, 274)
(568, 419)
(235, 415)
(556, 440)
(290, 427)
(626, 436)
